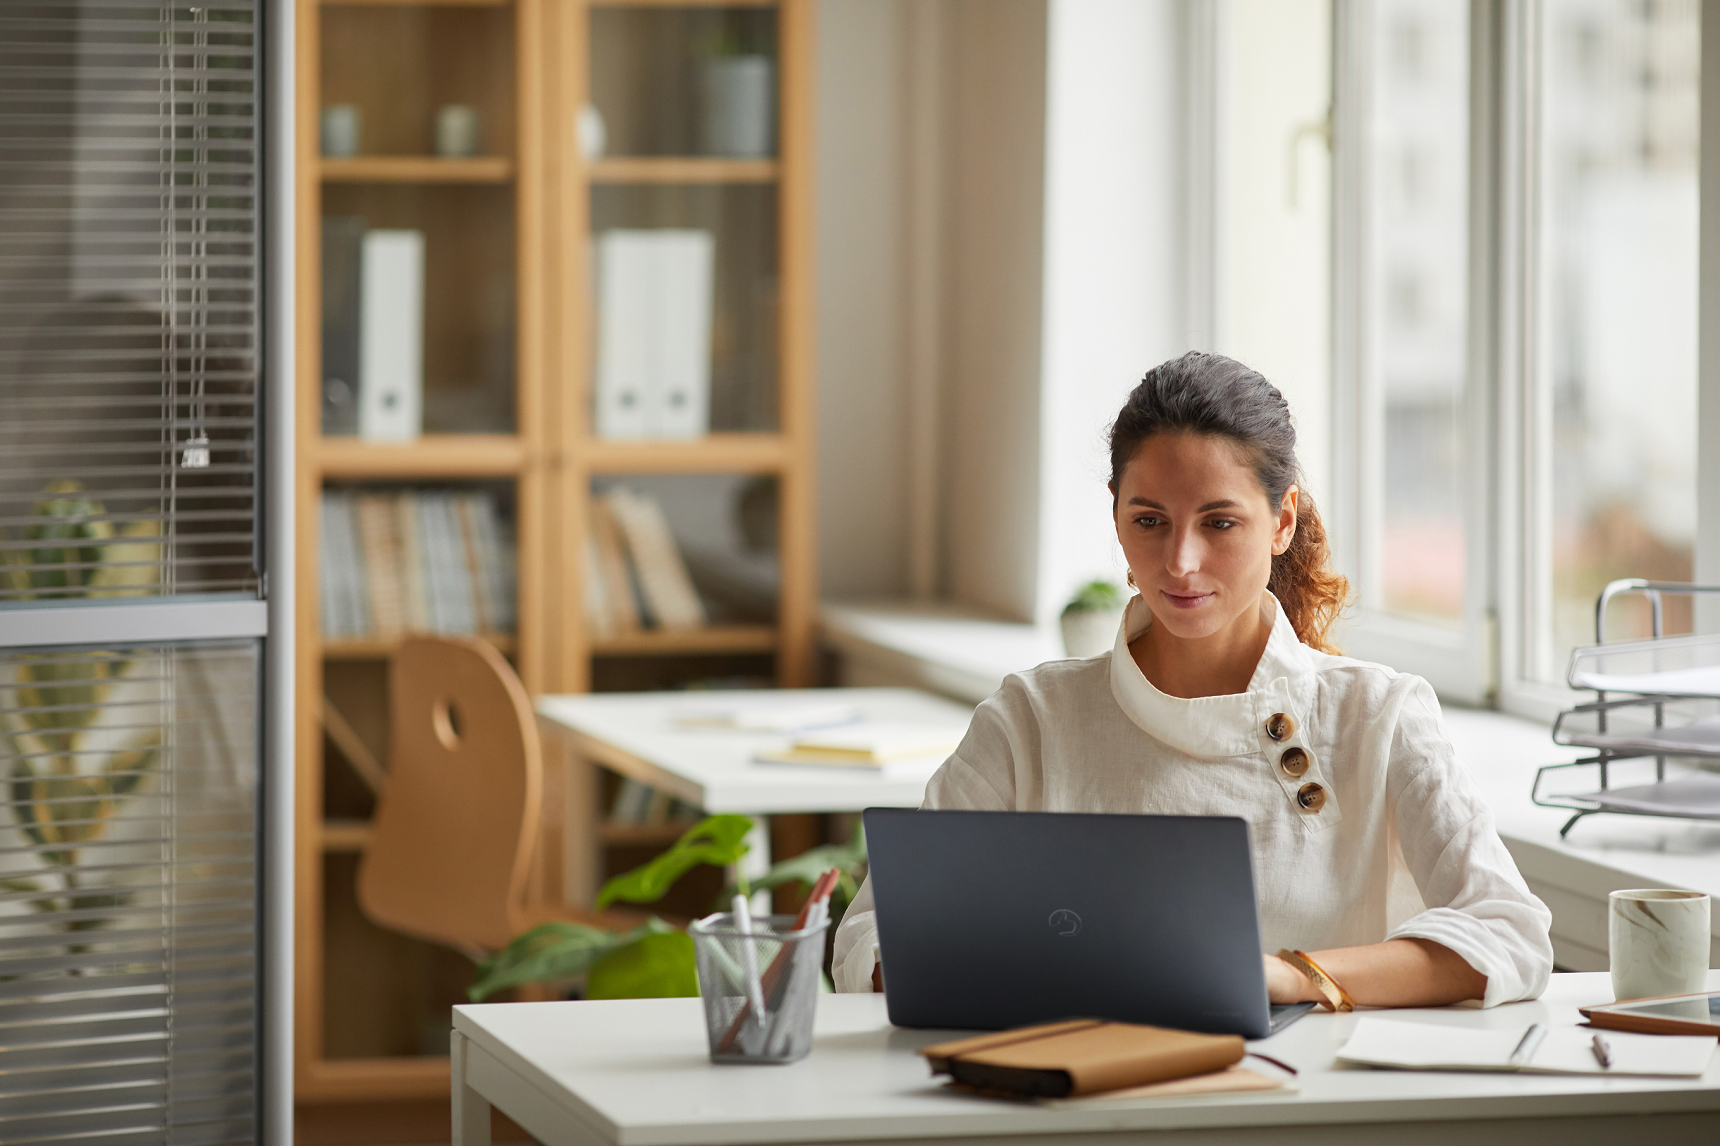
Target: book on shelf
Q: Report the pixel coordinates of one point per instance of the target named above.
(415, 561)
(639, 803)
(346, 605)
(342, 272)
(641, 578)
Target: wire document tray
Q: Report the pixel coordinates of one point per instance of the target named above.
(1670, 707)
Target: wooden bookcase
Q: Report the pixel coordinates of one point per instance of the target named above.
(513, 223)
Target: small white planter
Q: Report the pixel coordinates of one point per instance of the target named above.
(1087, 633)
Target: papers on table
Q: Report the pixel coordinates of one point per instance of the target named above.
(871, 744)
(1564, 1050)
(767, 715)
(828, 733)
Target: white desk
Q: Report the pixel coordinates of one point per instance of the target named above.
(635, 734)
(636, 1073)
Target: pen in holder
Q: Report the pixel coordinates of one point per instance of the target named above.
(788, 965)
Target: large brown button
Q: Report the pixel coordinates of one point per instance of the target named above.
(1311, 796)
(1280, 726)
(1294, 762)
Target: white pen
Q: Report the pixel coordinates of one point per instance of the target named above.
(1603, 1053)
(749, 957)
(1527, 1046)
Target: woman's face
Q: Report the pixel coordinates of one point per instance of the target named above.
(1198, 531)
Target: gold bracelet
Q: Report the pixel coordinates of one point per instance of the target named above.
(1337, 999)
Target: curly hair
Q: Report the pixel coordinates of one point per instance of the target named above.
(1212, 395)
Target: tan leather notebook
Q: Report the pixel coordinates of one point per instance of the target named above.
(1081, 1056)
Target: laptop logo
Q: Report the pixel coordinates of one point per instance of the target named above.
(1065, 921)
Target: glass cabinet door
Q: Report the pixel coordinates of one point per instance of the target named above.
(681, 134)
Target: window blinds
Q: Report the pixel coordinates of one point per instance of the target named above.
(128, 969)
(128, 298)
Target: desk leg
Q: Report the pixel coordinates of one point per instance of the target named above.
(471, 1109)
(582, 854)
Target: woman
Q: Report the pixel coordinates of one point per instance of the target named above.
(1379, 870)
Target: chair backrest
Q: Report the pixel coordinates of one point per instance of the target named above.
(452, 839)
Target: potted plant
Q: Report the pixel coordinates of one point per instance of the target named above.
(655, 960)
(70, 769)
(1090, 619)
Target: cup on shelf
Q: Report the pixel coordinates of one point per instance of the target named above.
(770, 963)
(456, 131)
(340, 125)
(1658, 942)
(739, 99)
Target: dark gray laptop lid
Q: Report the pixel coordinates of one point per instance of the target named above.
(989, 920)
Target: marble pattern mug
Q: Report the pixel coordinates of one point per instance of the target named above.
(1658, 942)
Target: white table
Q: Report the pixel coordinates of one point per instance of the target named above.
(635, 734)
(636, 1073)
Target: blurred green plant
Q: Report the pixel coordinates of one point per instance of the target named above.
(1095, 597)
(656, 960)
(66, 777)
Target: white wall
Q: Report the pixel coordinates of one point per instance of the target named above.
(985, 87)
(1113, 304)
(994, 212)
(862, 450)
(1053, 286)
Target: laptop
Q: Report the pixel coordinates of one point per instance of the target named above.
(989, 920)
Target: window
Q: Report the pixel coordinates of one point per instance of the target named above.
(133, 634)
(1415, 290)
(1407, 524)
(1614, 321)
(1515, 319)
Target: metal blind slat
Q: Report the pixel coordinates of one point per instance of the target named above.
(128, 946)
(128, 174)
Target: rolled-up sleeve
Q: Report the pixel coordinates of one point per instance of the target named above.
(1479, 905)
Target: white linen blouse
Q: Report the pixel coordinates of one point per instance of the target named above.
(1401, 847)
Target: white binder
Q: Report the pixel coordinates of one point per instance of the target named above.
(391, 337)
(654, 333)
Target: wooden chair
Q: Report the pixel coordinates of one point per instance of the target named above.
(457, 824)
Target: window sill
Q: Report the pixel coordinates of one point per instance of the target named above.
(959, 650)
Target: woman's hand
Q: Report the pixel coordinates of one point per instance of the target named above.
(878, 978)
(1396, 973)
(1285, 984)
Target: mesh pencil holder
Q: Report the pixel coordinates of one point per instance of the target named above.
(788, 966)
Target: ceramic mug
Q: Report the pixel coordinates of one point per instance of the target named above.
(456, 131)
(1658, 942)
(340, 130)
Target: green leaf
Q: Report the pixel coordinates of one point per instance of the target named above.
(551, 951)
(71, 517)
(658, 966)
(717, 840)
(126, 770)
(805, 868)
(131, 568)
